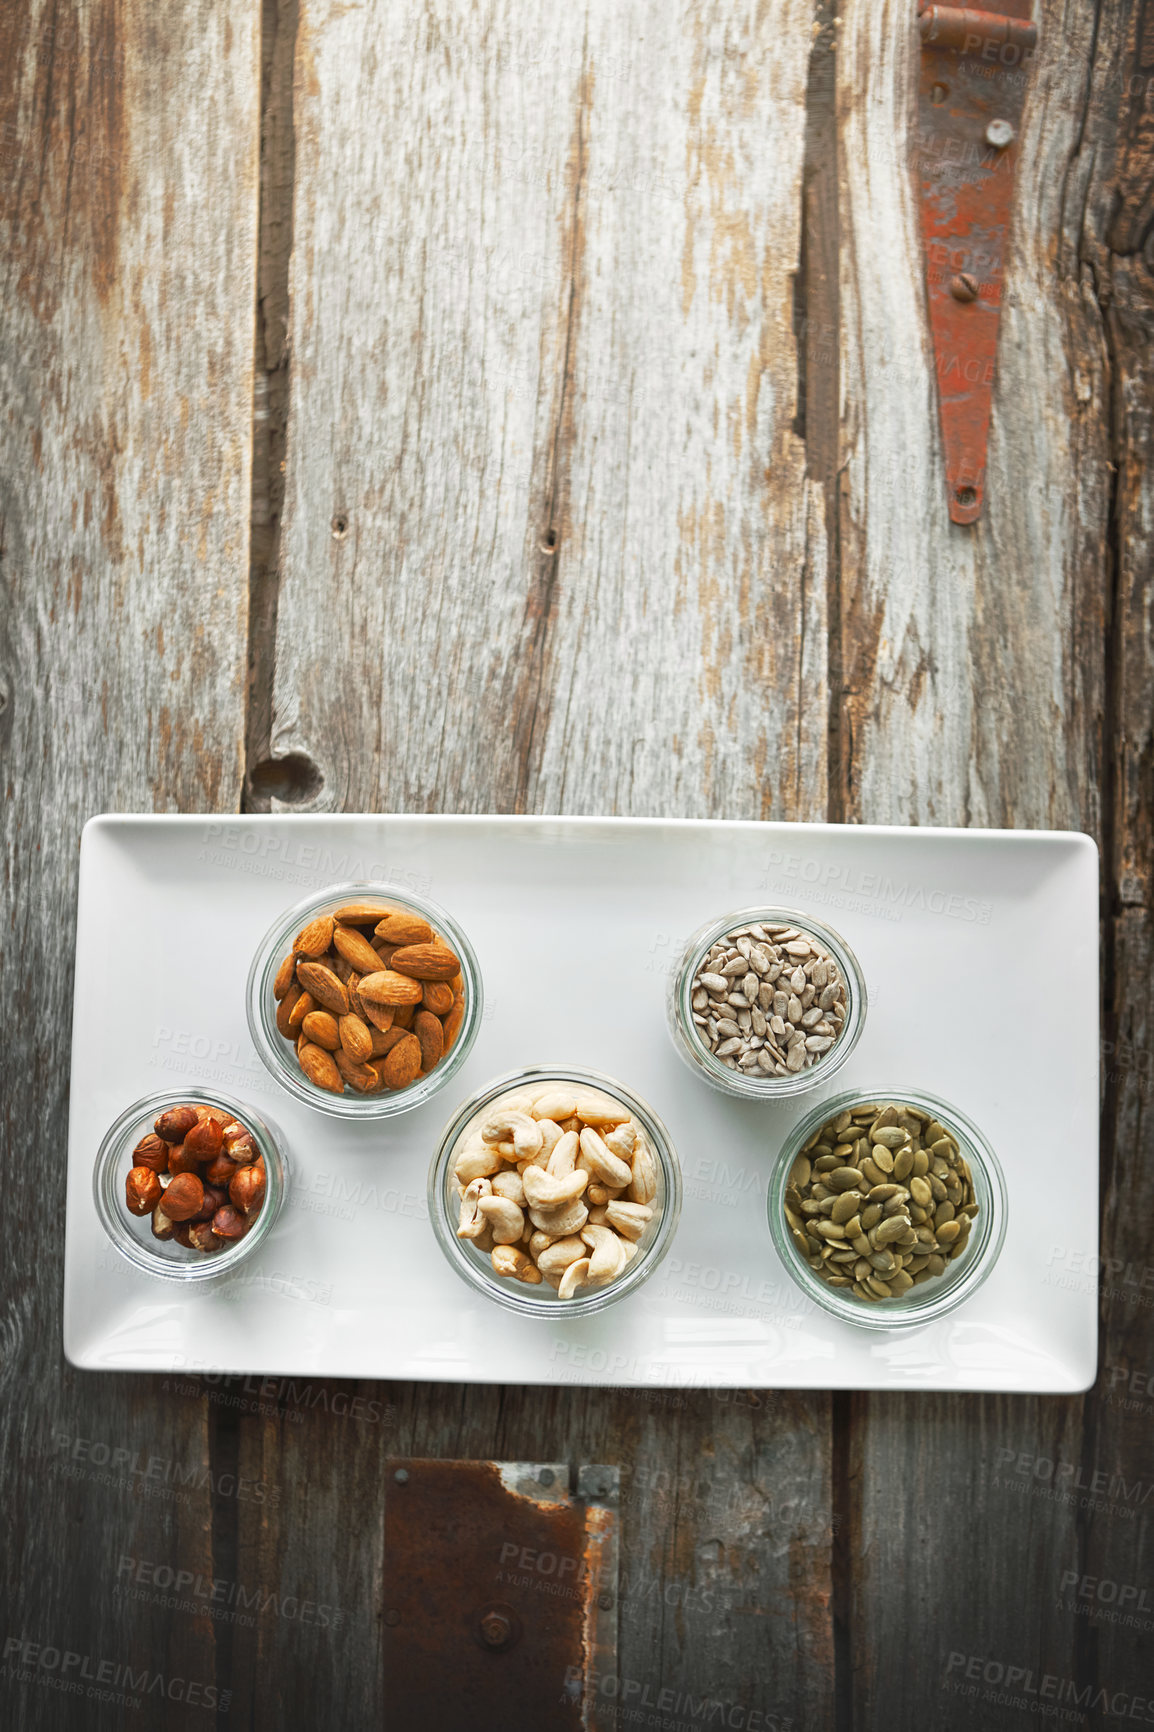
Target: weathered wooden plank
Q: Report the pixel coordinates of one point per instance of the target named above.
(976, 687)
(549, 544)
(541, 454)
(127, 226)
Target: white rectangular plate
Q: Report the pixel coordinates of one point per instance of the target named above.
(980, 953)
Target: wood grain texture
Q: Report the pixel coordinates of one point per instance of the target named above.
(978, 683)
(544, 365)
(127, 229)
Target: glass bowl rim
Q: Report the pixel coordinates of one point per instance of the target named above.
(113, 1144)
(898, 1312)
(598, 1298)
(274, 1053)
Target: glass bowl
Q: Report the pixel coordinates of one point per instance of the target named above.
(963, 1275)
(132, 1235)
(759, 1085)
(475, 1267)
(279, 1054)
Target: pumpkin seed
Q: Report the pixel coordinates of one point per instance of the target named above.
(845, 1206)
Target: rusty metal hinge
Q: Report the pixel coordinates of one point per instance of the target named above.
(500, 1585)
(974, 66)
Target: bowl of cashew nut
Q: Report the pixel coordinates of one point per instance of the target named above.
(555, 1189)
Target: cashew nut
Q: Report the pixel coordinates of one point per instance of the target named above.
(601, 1162)
(543, 1191)
(575, 1276)
(508, 1184)
(539, 1242)
(598, 1109)
(472, 1223)
(476, 1161)
(569, 1218)
(555, 1104)
(518, 1128)
(556, 1258)
(505, 1218)
(643, 1187)
(630, 1219)
(509, 1262)
(622, 1141)
(598, 1214)
(563, 1158)
(551, 1134)
(608, 1257)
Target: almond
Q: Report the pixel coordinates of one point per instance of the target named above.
(431, 1035)
(385, 1039)
(386, 952)
(352, 987)
(437, 996)
(303, 1007)
(402, 928)
(365, 1078)
(452, 1023)
(361, 913)
(380, 1015)
(355, 1038)
(386, 987)
(315, 938)
(324, 986)
(355, 948)
(285, 1008)
(284, 977)
(320, 1026)
(318, 1066)
(402, 1066)
(425, 961)
(403, 1016)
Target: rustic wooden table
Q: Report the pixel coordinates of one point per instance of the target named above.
(581, 456)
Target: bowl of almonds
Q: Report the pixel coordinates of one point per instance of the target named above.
(887, 1208)
(555, 1190)
(766, 1003)
(363, 1004)
(187, 1186)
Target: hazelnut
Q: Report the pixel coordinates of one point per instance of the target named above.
(182, 1235)
(229, 1223)
(151, 1151)
(142, 1190)
(220, 1171)
(183, 1198)
(202, 1238)
(214, 1196)
(247, 1187)
(204, 1140)
(241, 1148)
(162, 1224)
(183, 1160)
(174, 1125)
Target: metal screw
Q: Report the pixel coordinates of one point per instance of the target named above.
(392, 1617)
(999, 133)
(495, 1629)
(546, 1476)
(402, 1476)
(963, 287)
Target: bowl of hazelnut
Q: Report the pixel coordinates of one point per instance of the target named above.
(186, 1186)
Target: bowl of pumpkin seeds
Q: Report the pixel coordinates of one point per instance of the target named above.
(887, 1208)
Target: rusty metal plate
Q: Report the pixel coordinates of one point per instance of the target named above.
(971, 94)
(500, 1594)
